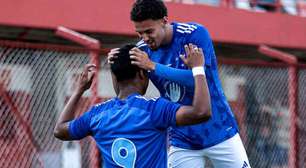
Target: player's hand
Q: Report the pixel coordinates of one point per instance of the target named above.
(194, 56)
(141, 59)
(86, 77)
(112, 55)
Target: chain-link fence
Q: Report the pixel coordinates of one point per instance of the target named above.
(258, 94)
(259, 98)
(301, 117)
(35, 83)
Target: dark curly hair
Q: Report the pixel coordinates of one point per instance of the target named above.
(122, 67)
(148, 9)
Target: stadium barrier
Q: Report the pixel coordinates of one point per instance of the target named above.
(36, 80)
(259, 95)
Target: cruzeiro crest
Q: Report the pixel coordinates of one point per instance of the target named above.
(174, 91)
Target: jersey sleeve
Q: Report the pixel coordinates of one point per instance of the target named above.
(180, 76)
(202, 39)
(163, 113)
(199, 37)
(80, 127)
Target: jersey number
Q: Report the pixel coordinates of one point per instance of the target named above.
(124, 152)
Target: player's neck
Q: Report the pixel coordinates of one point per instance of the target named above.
(127, 89)
(169, 34)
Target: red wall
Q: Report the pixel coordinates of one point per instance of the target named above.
(107, 16)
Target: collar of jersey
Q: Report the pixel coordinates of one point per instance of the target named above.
(129, 96)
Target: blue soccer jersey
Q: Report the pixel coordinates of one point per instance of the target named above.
(129, 133)
(175, 82)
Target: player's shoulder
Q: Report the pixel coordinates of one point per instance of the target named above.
(185, 28)
(141, 45)
(189, 29)
(149, 104)
(142, 103)
(152, 102)
(141, 98)
(104, 105)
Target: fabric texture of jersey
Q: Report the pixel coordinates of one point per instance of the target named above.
(175, 82)
(130, 132)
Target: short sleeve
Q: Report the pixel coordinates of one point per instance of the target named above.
(80, 127)
(163, 113)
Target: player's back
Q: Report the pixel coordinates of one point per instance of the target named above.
(132, 132)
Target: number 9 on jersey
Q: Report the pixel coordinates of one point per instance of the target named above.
(124, 152)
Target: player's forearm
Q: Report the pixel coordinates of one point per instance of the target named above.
(200, 109)
(180, 76)
(68, 114)
(70, 108)
(201, 99)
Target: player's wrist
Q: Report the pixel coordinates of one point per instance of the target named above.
(198, 70)
(79, 90)
(152, 67)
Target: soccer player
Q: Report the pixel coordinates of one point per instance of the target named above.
(162, 44)
(130, 130)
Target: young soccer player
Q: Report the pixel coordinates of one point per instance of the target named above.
(161, 46)
(130, 130)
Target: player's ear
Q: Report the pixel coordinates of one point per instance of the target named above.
(165, 19)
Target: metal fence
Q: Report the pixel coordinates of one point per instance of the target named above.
(36, 81)
(259, 98)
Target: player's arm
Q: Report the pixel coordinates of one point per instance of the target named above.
(141, 59)
(61, 130)
(166, 113)
(200, 110)
(183, 77)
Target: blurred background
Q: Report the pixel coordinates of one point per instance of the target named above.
(260, 47)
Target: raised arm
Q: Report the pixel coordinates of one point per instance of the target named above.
(200, 110)
(61, 130)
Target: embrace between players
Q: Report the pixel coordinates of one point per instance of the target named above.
(131, 130)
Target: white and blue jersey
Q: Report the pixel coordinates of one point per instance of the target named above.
(129, 133)
(175, 82)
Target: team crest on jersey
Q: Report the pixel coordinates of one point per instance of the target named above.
(174, 91)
